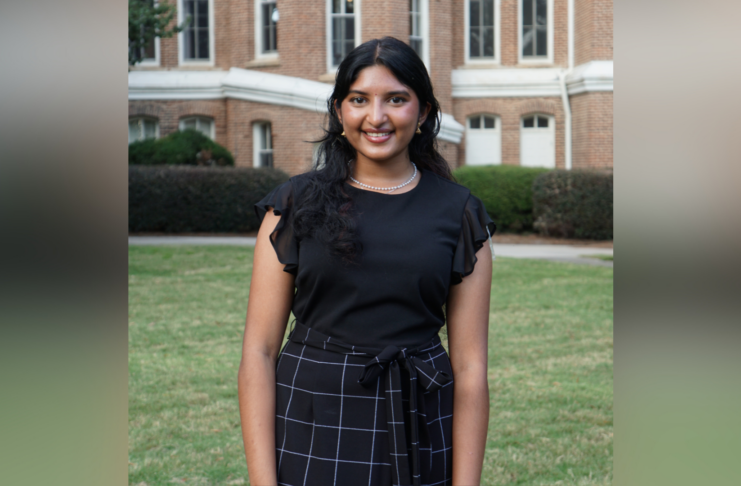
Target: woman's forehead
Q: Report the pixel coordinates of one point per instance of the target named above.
(378, 78)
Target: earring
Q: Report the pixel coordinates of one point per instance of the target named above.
(343, 134)
(418, 132)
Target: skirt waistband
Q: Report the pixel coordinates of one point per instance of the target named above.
(423, 377)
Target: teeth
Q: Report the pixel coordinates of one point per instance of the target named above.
(383, 134)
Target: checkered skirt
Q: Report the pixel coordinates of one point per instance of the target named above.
(338, 412)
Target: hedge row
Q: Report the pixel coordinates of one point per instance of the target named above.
(198, 199)
(505, 190)
(573, 204)
(187, 147)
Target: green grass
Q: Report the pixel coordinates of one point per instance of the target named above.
(600, 257)
(550, 354)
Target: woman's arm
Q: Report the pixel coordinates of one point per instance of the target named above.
(268, 308)
(468, 330)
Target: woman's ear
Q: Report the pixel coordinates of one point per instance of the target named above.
(423, 113)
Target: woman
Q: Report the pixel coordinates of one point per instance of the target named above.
(374, 251)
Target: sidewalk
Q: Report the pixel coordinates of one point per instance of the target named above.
(557, 253)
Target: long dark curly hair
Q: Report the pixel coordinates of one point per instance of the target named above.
(324, 210)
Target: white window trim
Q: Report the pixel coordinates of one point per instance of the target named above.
(551, 121)
(256, 129)
(424, 26)
(181, 38)
(152, 62)
(212, 131)
(147, 117)
(497, 36)
(535, 60)
(357, 8)
(258, 34)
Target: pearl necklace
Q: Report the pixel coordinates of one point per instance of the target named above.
(389, 189)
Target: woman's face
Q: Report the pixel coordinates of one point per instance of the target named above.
(380, 115)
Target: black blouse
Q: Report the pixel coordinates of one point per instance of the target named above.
(415, 246)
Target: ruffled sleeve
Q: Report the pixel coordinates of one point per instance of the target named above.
(476, 228)
(281, 199)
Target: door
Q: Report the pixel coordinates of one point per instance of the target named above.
(538, 141)
(483, 140)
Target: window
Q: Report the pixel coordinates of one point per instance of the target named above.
(536, 30)
(481, 29)
(344, 30)
(196, 39)
(143, 127)
(483, 140)
(537, 141)
(419, 29)
(266, 28)
(203, 124)
(262, 137)
(149, 54)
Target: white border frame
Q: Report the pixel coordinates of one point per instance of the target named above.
(211, 38)
(357, 8)
(497, 36)
(535, 60)
(152, 62)
(258, 32)
(212, 131)
(497, 128)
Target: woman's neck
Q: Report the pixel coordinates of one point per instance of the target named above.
(385, 173)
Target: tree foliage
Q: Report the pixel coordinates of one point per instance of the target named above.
(147, 21)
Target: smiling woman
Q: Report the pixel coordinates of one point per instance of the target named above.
(374, 251)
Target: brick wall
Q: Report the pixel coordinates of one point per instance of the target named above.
(593, 30)
(510, 111)
(592, 130)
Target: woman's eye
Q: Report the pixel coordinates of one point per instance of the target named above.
(356, 100)
(397, 100)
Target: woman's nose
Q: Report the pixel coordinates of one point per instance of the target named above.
(377, 113)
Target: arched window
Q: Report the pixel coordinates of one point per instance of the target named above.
(203, 124)
(538, 141)
(142, 127)
(483, 140)
(262, 147)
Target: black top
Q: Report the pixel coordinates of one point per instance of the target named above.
(415, 246)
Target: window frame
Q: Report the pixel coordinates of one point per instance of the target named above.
(145, 117)
(424, 27)
(497, 35)
(258, 31)
(212, 122)
(357, 9)
(548, 59)
(257, 133)
(181, 38)
(152, 62)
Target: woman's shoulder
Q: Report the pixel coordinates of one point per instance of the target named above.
(447, 188)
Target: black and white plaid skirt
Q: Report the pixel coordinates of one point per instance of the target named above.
(351, 415)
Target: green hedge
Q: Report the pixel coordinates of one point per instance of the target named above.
(188, 147)
(198, 199)
(505, 190)
(573, 204)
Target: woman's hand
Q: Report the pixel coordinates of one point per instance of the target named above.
(269, 305)
(468, 331)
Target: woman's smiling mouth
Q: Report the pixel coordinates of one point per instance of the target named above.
(377, 136)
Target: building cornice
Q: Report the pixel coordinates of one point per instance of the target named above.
(590, 76)
(245, 84)
(530, 82)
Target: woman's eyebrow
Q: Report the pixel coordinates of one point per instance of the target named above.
(390, 93)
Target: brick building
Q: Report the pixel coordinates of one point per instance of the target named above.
(520, 82)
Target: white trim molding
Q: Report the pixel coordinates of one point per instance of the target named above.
(467, 36)
(499, 83)
(530, 82)
(590, 76)
(210, 62)
(244, 84)
(176, 85)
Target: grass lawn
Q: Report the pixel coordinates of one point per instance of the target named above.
(550, 356)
